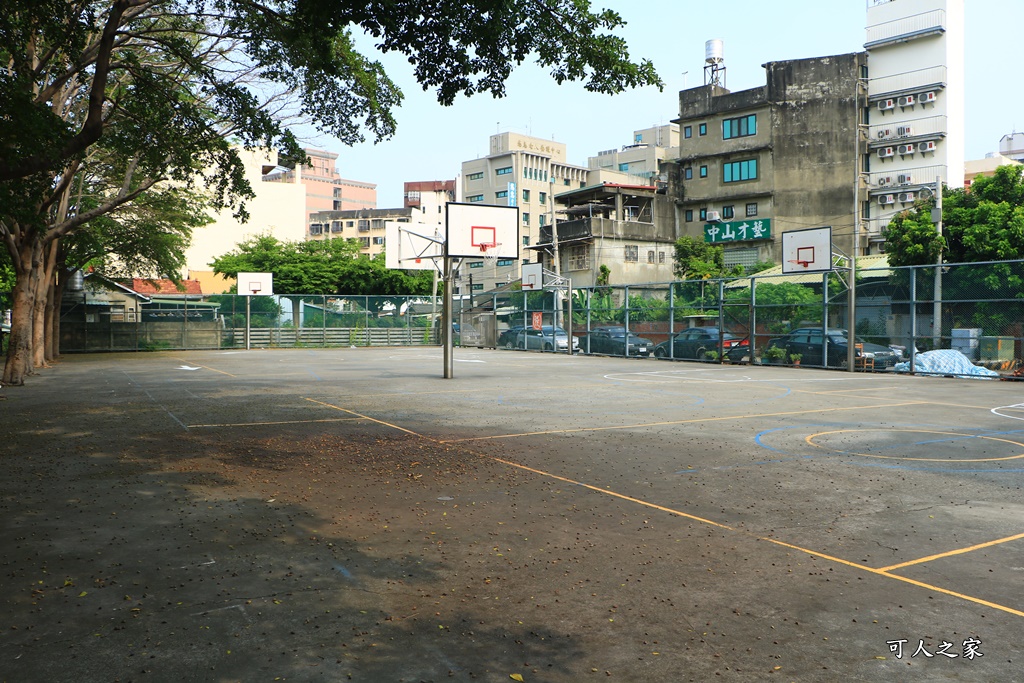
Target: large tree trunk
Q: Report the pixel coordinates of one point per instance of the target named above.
(29, 271)
(44, 290)
(53, 316)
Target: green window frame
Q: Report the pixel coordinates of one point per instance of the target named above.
(475, 198)
(505, 170)
(740, 127)
(739, 171)
(475, 176)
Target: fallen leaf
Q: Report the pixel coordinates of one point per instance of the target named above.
(516, 677)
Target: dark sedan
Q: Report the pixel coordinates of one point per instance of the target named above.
(507, 339)
(696, 342)
(809, 342)
(615, 341)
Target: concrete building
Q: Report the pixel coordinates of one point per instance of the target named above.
(759, 162)
(278, 209)
(916, 105)
(527, 172)
(1012, 146)
(985, 167)
(644, 156)
(326, 190)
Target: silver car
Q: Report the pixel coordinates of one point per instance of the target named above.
(547, 338)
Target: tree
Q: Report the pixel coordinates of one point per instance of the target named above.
(126, 95)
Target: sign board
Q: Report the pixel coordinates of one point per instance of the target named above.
(256, 284)
(738, 231)
(537, 322)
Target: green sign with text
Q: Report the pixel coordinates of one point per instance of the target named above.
(738, 231)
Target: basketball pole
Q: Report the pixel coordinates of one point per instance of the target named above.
(446, 317)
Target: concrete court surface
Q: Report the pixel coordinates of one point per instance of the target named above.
(347, 514)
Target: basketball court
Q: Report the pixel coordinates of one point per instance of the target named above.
(556, 517)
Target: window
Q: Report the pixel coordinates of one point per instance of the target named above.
(475, 198)
(505, 262)
(316, 228)
(543, 197)
(475, 176)
(377, 223)
(703, 214)
(335, 226)
(579, 257)
(503, 171)
(632, 253)
(526, 195)
(739, 127)
(526, 219)
(365, 242)
(624, 167)
(350, 224)
(661, 257)
(501, 195)
(650, 256)
(542, 219)
(752, 209)
(688, 173)
(689, 215)
(566, 182)
(703, 171)
(702, 129)
(477, 286)
(738, 171)
(378, 240)
(728, 211)
(688, 132)
(637, 138)
(476, 264)
(526, 240)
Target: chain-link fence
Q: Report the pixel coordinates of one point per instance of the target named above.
(219, 321)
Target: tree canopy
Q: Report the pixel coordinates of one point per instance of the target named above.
(109, 99)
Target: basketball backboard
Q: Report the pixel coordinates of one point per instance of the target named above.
(533, 276)
(807, 251)
(410, 246)
(256, 284)
(476, 230)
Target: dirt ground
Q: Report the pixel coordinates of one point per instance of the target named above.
(331, 515)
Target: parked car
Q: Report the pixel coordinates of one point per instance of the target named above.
(615, 341)
(507, 338)
(697, 341)
(808, 342)
(547, 338)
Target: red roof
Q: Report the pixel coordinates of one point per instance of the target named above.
(165, 287)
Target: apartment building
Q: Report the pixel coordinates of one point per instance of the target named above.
(642, 158)
(326, 190)
(916, 91)
(759, 162)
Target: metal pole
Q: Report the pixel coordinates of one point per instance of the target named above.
(937, 304)
(248, 312)
(851, 350)
(554, 244)
(446, 319)
(913, 318)
(568, 320)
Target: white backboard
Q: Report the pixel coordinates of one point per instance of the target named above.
(256, 284)
(807, 251)
(533, 277)
(476, 230)
(410, 246)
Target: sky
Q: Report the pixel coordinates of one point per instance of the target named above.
(432, 141)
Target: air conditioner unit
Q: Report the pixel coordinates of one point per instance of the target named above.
(908, 101)
(885, 181)
(908, 149)
(928, 146)
(905, 131)
(713, 217)
(884, 152)
(885, 105)
(906, 197)
(886, 199)
(927, 97)
(884, 133)
(904, 179)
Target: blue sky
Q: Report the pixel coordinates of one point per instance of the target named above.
(432, 141)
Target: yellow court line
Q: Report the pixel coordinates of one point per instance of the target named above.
(680, 513)
(681, 422)
(283, 422)
(205, 367)
(810, 441)
(960, 551)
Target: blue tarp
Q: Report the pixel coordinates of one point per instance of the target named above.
(945, 362)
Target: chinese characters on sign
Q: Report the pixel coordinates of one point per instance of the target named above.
(737, 231)
(971, 649)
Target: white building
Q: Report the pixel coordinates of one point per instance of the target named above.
(1012, 146)
(642, 158)
(278, 209)
(916, 104)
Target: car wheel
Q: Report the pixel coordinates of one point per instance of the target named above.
(700, 354)
(660, 353)
(509, 345)
(547, 347)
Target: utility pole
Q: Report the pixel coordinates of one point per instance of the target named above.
(937, 304)
(554, 245)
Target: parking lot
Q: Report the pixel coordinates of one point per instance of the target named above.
(346, 514)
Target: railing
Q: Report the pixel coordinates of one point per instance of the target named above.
(926, 23)
(919, 80)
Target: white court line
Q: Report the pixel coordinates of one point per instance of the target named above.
(663, 377)
(1018, 406)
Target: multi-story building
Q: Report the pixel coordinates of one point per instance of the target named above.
(326, 190)
(916, 104)
(278, 209)
(1012, 146)
(759, 162)
(643, 157)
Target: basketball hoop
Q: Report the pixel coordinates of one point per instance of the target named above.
(489, 250)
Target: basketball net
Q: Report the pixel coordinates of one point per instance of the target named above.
(489, 250)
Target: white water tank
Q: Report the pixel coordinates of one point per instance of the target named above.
(714, 51)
